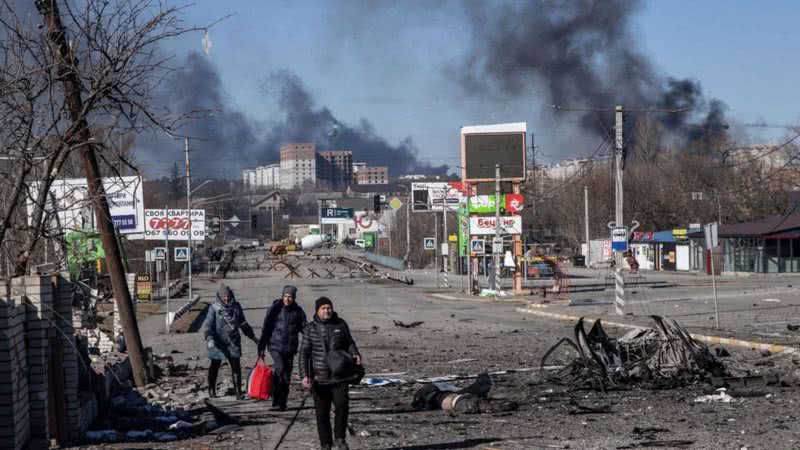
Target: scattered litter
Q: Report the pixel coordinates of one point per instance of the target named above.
(771, 300)
(102, 435)
(677, 443)
(232, 428)
(791, 327)
(375, 329)
(721, 397)
(381, 381)
(462, 360)
(146, 434)
(575, 408)
(401, 324)
(180, 425)
(364, 433)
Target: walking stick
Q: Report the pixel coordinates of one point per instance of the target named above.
(294, 419)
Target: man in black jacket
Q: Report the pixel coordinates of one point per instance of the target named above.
(325, 334)
(284, 320)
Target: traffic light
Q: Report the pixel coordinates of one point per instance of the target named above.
(376, 200)
(215, 225)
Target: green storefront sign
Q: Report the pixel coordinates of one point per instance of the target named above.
(463, 227)
(485, 204)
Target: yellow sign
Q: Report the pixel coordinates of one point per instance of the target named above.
(680, 233)
(452, 238)
(395, 203)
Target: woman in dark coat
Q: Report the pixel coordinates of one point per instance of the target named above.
(221, 330)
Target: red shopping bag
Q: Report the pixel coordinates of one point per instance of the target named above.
(260, 381)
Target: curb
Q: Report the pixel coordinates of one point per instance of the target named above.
(772, 348)
(479, 299)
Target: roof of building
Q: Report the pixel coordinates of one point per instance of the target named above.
(772, 225)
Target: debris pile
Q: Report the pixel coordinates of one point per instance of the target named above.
(662, 357)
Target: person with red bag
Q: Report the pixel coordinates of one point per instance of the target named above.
(221, 331)
(283, 323)
(329, 363)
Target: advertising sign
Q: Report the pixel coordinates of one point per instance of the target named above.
(486, 225)
(514, 203)
(336, 215)
(485, 146)
(70, 197)
(436, 196)
(483, 204)
(177, 221)
(144, 287)
(463, 229)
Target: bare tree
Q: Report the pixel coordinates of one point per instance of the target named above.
(115, 55)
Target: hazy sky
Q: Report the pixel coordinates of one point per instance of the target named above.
(398, 64)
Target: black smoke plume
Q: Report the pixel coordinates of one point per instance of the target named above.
(230, 140)
(583, 54)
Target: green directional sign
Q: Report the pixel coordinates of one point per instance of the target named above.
(484, 204)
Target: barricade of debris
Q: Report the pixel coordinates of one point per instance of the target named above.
(172, 407)
(662, 357)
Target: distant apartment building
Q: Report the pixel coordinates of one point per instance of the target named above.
(249, 178)
(269, 175)
(335, 168)
(572, 167)
(372, 175)
(298, 165)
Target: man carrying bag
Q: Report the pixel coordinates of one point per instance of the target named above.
(329, 363)
(283, 322)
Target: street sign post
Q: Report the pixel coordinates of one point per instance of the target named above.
(476, 246)
(429, 243)
(160, 253)
(619, 239)
(712, 241)
(497, 245)
(182, 254)
(395, 203)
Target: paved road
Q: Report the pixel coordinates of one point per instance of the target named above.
(494, 336)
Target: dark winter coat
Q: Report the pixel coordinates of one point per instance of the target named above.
(282, 324)
(313, 351)
(222, 326)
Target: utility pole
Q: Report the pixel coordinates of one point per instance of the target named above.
(586, 222)
(408, 231)
(497, 236)
(619, 300)
(189, 212)
(435, 249)
(82, 136)
(166, 266)
(272, 223)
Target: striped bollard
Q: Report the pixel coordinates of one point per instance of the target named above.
(619, 298)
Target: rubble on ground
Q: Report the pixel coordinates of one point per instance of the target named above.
(662, 357)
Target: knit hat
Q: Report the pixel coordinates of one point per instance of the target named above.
(291, 290)
(224, 291)
(322, 301)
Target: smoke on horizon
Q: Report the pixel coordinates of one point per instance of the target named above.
(584, 55)
(230, 140)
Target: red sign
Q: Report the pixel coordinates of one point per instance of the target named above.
(173, 223)
(514, 203)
